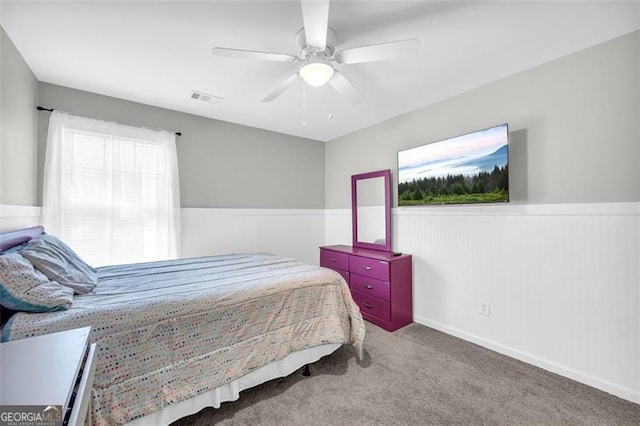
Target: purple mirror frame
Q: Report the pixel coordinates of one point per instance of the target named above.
(386, 174)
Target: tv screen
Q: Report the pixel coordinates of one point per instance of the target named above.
(472, 168)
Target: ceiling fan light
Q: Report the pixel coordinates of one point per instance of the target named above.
(316, 73)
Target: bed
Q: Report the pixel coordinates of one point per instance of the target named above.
(177, 336)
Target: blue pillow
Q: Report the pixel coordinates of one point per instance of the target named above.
(24, 288)
(60, 263)
(15, 249)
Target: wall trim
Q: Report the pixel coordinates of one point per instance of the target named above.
(200, 211)
(630, 208)
(13, 210)
(603, 385)
(337, 212)
(514, 209)
(14, 217)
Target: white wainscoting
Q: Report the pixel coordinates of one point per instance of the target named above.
(14, 217)
(563, 282)
(337, 227)
(295, 233)
(288, 232)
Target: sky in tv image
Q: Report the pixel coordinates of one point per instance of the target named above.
(465, 155)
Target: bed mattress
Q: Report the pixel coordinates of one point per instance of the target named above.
(168, 331)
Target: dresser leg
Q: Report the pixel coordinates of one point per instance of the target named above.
(306, 371)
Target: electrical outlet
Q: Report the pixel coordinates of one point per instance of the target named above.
(485, 308)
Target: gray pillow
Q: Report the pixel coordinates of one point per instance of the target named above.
(24, 288)
(60, 263)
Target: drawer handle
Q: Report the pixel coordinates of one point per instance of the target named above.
(368, 287)
(368, 268)
(367, 305)
(333, 259)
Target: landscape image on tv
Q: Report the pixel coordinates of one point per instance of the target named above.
(472, 168)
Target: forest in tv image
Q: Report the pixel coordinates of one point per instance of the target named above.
(472, 168)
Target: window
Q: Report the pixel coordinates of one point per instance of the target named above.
(111, 190)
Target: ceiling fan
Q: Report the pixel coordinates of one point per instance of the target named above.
(317, 54)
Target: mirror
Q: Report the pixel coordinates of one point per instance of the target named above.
(371, 210)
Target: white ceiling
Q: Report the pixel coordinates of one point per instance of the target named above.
(156, 52)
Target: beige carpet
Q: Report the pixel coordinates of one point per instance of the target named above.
(419, 376)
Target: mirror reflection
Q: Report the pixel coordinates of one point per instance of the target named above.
(371, 210)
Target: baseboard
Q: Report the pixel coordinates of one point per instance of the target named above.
(606, 386)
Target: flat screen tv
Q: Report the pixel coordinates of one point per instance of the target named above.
(471, 168)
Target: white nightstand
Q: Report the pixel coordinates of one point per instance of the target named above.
(53, 369)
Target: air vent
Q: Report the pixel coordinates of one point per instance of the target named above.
(204, 97)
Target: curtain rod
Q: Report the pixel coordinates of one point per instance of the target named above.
(39, 108)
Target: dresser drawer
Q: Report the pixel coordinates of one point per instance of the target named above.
(374, 268)
(372, 306)
(370, 286)
(334, 260)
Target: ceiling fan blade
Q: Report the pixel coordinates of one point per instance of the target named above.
(281, 88)
(252, 54)
(315, 16)
(378, 52)
(344, 87)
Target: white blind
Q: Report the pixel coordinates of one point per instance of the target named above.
(111, 190)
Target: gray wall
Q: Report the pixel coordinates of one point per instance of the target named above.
(574, 134)
(18, 99)
(574, 137)
(221, 164)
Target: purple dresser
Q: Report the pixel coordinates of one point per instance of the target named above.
(380, 282)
